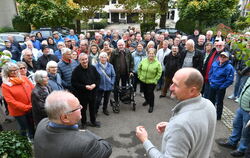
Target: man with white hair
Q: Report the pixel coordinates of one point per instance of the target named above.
(72, 35)
(201, 43)
(29, 60)
(65, 68)
(123, 63)
(192, 57)
(59, 135)
(58, 52)
(209, 36)
(98, 40)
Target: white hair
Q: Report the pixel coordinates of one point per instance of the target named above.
(51, 64)
(39, 75)
(61, 43)
(202, 36)
(65, 50)
(121, 41)
(56, 105)
(210, 32)
(103, 54)
(191, 42)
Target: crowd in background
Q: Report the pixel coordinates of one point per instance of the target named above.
(91, 67)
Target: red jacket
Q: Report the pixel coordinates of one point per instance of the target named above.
(18, 97)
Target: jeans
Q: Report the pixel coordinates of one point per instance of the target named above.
(243, 80)
(206, 90)
(26, 123)
(217, 96)
(102, 94)
(149, 93)
(136, 81)
(160, 81)
(240, 133)
(237, 85)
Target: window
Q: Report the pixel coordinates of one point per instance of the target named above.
(97, 16)
(172, 15)
(113, 1)
(123, 15)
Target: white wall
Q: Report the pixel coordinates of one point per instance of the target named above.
(7, 12)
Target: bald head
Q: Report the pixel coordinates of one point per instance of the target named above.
(56, 105)
(192, 77)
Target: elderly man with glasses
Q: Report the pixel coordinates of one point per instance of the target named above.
(59, 136)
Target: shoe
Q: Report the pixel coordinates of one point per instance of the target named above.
(144, 104)
(151, 109)
(106, 112)
(231, 97)
(162, 96)
(95, 124)
(142, 95)
(237, 153)
(226, 144)
(237, 100)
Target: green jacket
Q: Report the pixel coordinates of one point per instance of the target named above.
(245, 96)
(149, 72)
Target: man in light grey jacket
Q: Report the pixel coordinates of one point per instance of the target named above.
(190, 131)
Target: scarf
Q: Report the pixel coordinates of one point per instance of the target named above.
(16, 80)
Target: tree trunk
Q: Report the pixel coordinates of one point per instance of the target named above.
(78, 26)
(163, 20)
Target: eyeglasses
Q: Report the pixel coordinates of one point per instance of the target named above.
(78, 108)
(13, 70)
(21, 68)
(219, 45)
(223, 56)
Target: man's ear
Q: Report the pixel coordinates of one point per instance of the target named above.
(193, 90)
(64, 118)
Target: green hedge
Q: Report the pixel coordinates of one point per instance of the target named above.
(145, 27)
(99, 25)
(6, 29)
(185, 26)
(20, 24)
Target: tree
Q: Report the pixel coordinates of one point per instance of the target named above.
(151, 7)
(50, 13)
(205, 12)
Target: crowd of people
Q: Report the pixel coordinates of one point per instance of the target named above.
(91, 67)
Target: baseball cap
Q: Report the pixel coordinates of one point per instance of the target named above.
(225, 54)
(55, 32)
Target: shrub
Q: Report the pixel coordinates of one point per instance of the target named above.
(13, 145)
(6, 29)
(20, 24)
(149, 26)
(185, 25)
(99, 25)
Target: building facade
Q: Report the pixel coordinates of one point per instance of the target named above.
(8, 11)
(115, 13)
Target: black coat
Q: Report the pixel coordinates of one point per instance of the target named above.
(38, 96)
(172, 64)
(44, 59)
(82, 77)
(197, 59)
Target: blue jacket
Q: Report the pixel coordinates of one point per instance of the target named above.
(55, 82)
(58, 54)
(221, 76)
(60, 39)
(106, 83)
(65, 70)
(36, 44)
(74, 37)
(138, 56)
